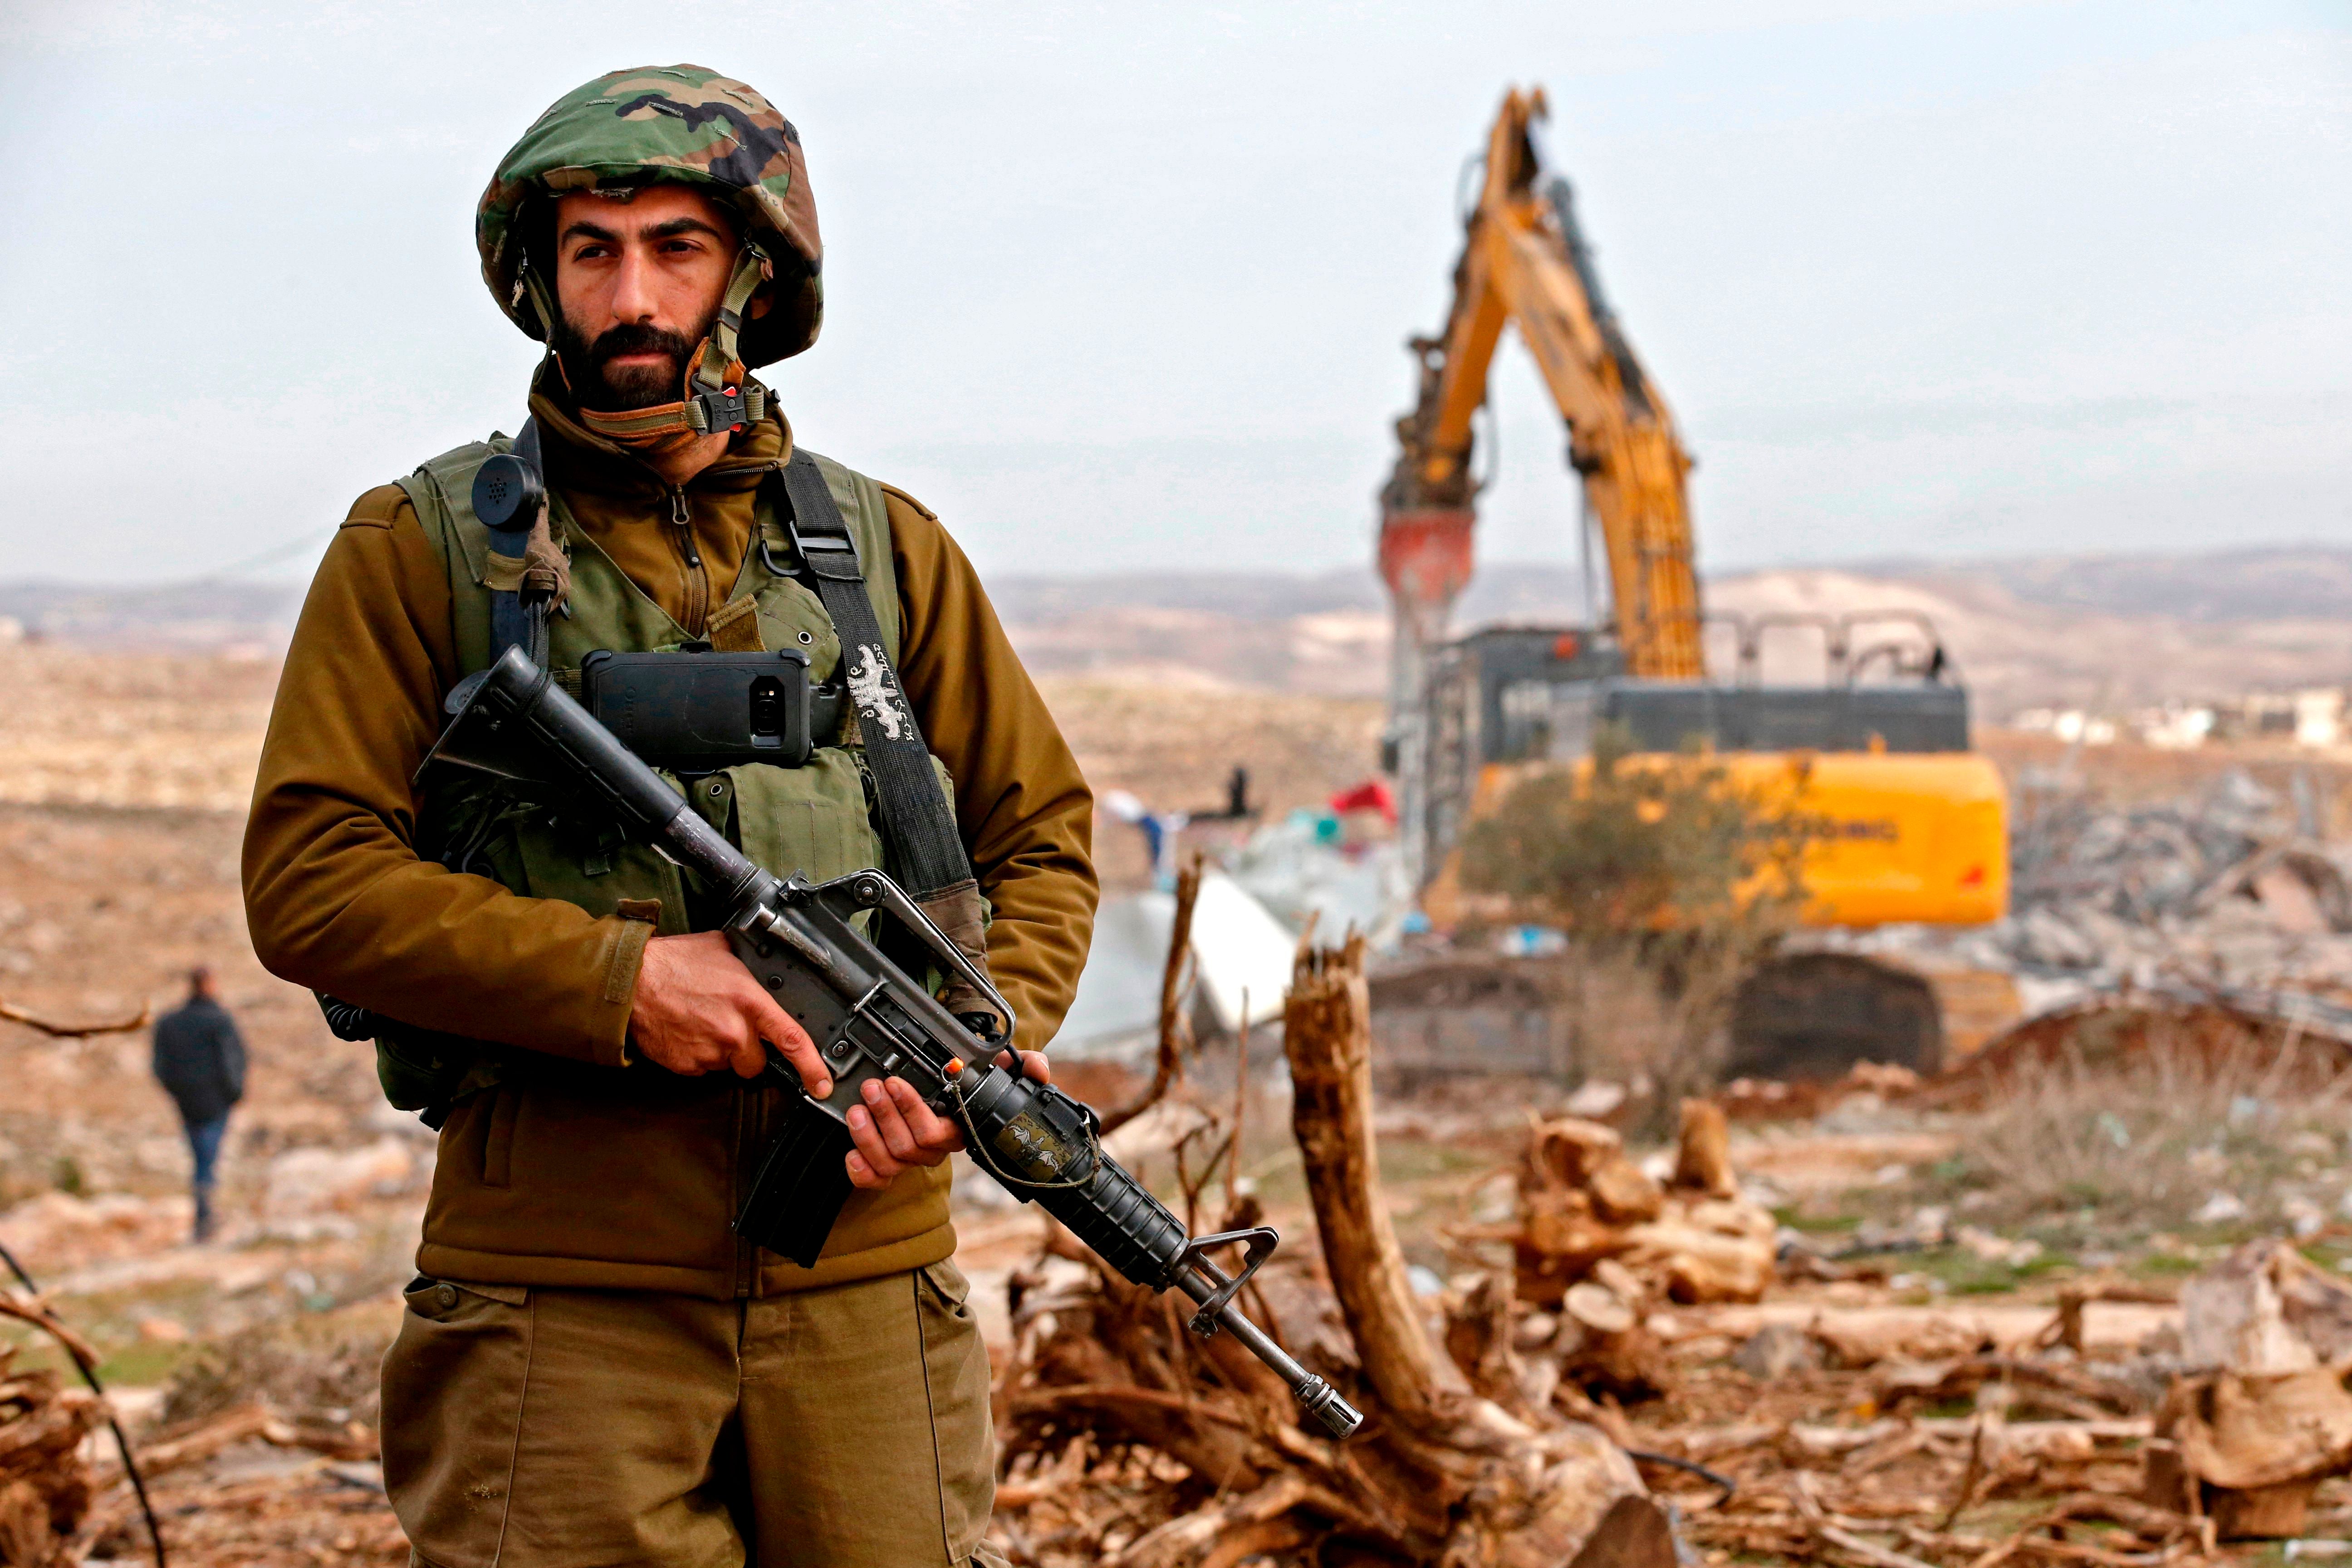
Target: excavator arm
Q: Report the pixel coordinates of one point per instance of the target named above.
(1525, 263)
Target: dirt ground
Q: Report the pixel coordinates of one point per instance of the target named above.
(122, 781)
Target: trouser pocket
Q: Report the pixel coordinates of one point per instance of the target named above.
(453, 1398)
(955, 1365)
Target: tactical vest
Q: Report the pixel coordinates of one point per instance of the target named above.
(817, 820)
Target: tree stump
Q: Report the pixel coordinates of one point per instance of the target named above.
(1472, 1482)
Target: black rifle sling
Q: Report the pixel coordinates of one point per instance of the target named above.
(925, 850)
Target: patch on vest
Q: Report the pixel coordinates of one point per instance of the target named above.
(869, 688)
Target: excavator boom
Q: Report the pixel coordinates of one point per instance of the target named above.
(1525, 262)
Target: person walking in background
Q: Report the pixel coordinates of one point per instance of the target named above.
(200, 1062)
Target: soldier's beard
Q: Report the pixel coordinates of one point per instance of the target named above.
(608, 388)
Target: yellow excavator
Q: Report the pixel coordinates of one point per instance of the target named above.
(1909, 823)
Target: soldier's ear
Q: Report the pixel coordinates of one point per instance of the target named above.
(763, 300)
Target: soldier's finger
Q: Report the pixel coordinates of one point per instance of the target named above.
(890, 1124)
(861, 1174)
(1033, 1063)
(869, 1145)
(779, 1029)
(933, 1132)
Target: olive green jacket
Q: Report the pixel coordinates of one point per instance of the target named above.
(584, 1170)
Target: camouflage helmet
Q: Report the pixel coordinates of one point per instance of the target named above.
(682, 123)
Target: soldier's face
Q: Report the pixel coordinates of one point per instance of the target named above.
(639, 283)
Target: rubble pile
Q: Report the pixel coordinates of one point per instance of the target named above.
(2229, 891)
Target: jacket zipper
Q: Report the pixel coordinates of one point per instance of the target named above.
(698, 579)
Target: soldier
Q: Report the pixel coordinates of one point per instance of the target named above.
(592, 1367)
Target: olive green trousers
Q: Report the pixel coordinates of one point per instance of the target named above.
(842, 1427)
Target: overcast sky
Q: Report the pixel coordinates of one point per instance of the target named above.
(1126, 287)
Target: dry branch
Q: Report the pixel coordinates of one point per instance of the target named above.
(28, 1309)
(1175, 1034)
(1327, 1032)
(57, 1031)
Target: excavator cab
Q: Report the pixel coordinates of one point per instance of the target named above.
(1910, 825)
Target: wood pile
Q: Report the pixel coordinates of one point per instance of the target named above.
(58, 1508)
(1131, 1443)
(1846, 1466)
(2249, 1438)
(1584, 1204)
(46, 1484)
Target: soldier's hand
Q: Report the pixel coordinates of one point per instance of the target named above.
(894, 1129)
(698, 1010)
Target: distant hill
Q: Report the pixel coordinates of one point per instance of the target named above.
(184, 615)
(2304, 582)
(2129, 631)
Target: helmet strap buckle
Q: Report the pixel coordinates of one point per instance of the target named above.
(728, 409)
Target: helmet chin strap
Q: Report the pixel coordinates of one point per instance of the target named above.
(718, 396)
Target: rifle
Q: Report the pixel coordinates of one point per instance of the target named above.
(870, 1020)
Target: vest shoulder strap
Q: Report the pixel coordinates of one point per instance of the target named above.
(866, 517)
(442, 491)
(917, 824)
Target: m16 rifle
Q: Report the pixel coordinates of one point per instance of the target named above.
(869, 1020)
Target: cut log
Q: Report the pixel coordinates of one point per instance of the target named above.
(2250, 1441)
(2265, 1308)
(1705, 1252)
(2262, 1514)
(1603, 1347)
(1703, 1154)
(1584, 1203)
(1621, 1194)
(1566, 1150)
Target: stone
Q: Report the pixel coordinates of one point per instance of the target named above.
(1775, 1350)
